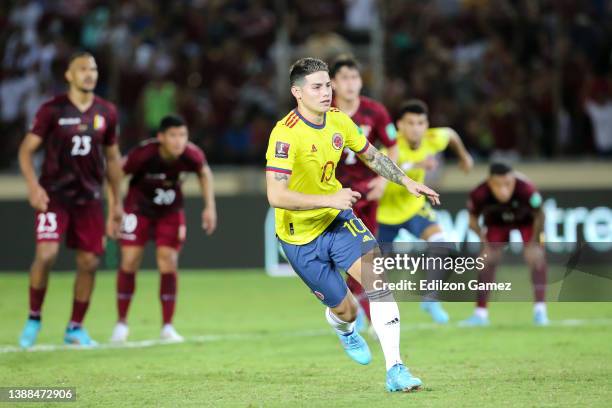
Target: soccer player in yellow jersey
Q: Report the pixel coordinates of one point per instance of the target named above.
(417, 146)
(314, 222)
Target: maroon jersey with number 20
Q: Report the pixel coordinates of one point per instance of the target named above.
(518, 211)
(155, 186)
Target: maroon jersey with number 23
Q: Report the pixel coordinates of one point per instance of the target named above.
(73, 142)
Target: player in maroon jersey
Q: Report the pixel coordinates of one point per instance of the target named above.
(78, 133)
(508, 201)
(374, 120)
(154, 210)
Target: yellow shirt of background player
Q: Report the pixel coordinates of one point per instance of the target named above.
(397, 205)
(310, 153)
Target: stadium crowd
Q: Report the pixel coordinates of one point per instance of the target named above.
(518, 78)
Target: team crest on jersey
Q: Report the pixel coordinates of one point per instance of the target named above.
(98, 122)
(313, 149)
(337, 141)
(281, 150)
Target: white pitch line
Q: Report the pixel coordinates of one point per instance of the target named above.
(4, 349)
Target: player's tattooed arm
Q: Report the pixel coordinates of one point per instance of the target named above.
(280, 196)
(385, 167)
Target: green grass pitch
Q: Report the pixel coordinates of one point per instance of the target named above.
(259, 341)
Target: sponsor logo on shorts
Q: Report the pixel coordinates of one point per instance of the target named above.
(337, 141)
(48, 235)
(319, 295)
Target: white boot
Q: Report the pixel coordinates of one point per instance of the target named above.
(169, 333)
(120, 333)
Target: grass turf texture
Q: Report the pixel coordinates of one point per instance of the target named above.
(280, 351)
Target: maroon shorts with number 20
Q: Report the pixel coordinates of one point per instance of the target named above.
(167, 230)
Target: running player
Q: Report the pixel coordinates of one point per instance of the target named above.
(154, 210)
(314, 221)
(417, 146)
(376, 124)
(508, 201)
(78, 133)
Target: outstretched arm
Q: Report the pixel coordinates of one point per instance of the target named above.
(385, 167)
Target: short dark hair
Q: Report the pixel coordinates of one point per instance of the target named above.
(305, 66)
(170, 121)
(79, 54)
(341, 62)
(499, 169)
(416, 106)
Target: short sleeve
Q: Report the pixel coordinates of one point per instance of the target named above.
(474, 203)
(439, 138)
(531, 195)
(43, 121)
(110, 136)
(280, 155)
(385, 129)
(134, 160)
(355, 139)
(196, 158)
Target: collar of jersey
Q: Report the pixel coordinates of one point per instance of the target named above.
(312, 125)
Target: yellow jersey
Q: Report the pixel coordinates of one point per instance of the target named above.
(397, 205)
(310, 153)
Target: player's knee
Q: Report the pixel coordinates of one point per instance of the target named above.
(167, 260)
(130, 264)
(87, 262)
(46, 255)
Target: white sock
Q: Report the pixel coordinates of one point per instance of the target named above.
(339, 325)
(386, 323)
(539, 307)
(482, 312)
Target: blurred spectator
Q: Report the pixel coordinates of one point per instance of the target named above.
(518, 78)
(158, 100)
(599, 107)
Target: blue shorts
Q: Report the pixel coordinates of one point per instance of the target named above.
(416, 225)
(339, 246)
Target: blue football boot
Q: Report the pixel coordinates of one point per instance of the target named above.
(474, 321)
(435, 310)
(400, 379)
(78, 336)
(356, 347)
(29, 333)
